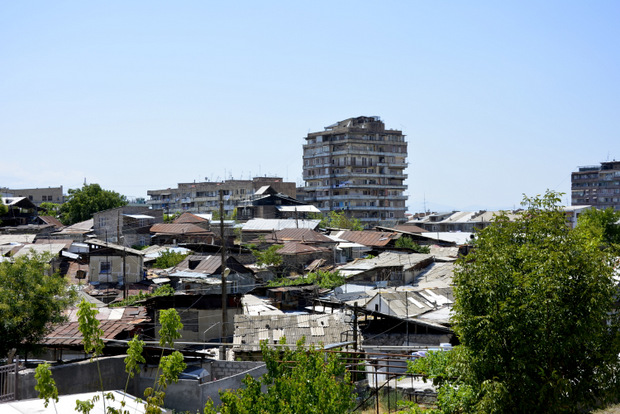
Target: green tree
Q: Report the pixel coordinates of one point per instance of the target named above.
(534, 309)
(3, 208)
(169, 258)
(323, 278)
(339, 220)
(83, 202)
(602, 224)
(31, 300)
(406, 242)
(269, 256)
(297, 381)
(49, 209)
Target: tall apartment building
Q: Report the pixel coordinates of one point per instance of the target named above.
(597, 185)
(357, 166)
(203, 197)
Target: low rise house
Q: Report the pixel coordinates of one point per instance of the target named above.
(255, 228)
(318, 329)
(267, 203)
(21, 212)
(127, 225)
(203, 274)
(391, 268)
(114, 264)
(175, 233)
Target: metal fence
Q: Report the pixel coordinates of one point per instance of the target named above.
(8, 382)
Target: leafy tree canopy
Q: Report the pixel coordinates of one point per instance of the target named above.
(49, 209)
(30, 301)
(602, 224)
(83, 202)
(406, 242)
(298, 381)
(324, 279)
(267, 257)
(533, 309)
(169, 258)
(3, 208)
(340, 220)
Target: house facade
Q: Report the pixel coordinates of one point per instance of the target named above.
(357, 166)
(127, 225)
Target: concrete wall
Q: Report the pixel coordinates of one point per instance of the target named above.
(79, 377)
(190, 395)
(186, 395)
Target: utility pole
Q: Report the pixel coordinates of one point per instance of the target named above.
(223, 271)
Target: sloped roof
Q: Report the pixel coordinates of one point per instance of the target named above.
(407, 304)
(17, 238)
(51, 220)
(410, 228)
(190, 218)
(79, 228)
(368, 237)
(27, 249)
(293, 247)
(299, 209)
(208, 265)
(462, 237)
(113, 246)
(437, 275)
(278, 224)
(114, 322)
(18, 201)
(179, 229)
(304, 235)
(327, 329)
(405, 261)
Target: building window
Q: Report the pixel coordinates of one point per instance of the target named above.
(105, 267)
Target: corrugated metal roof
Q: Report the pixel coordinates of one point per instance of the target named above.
(448, 236)
(52, 220)
(189, 218)
(294, 247)
(178, 228)
(368, 238)
(300, 209)
(304, 235)
(79, 228)
(437, 275)
(114, 322)
(27, 249)
(17, 238)
(323, 328)
(279, 224)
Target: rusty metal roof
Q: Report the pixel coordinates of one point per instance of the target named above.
(367, 237)
(189, 218)
(299, 235)
(294, 247)
(178, 228)
(116, 323)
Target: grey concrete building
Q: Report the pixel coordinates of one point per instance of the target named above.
(203, 197)
(357, 166)
(597, 185)
(37, 195)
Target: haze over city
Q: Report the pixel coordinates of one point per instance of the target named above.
(496, 99)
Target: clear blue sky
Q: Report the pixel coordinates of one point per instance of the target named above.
(497, 99)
